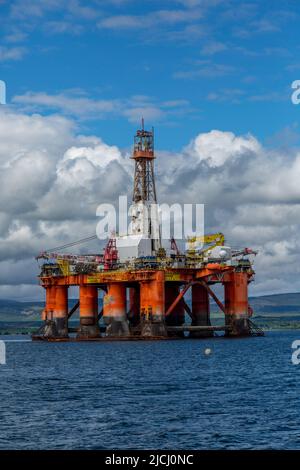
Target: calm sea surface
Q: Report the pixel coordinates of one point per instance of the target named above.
(143, 395)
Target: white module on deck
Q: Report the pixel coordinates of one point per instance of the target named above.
(133, 246)
(219, 253)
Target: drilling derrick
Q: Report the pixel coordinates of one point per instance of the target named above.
(143, 154)
(141, 285)
(144, 212)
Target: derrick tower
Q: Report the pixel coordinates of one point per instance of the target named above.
(143, 154)
(145, 214)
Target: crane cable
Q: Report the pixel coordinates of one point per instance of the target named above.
(68, 245)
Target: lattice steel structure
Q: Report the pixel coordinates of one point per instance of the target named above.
(143, 154)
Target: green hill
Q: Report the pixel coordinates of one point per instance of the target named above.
(276, 305)
(14, 311)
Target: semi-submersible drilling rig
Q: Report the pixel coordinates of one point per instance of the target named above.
(142, 284)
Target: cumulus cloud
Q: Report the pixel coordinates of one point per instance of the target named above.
(48, 173)
(52, 180)
(217, 147)
(250, 193)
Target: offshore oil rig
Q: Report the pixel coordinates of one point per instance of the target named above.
(142, 285)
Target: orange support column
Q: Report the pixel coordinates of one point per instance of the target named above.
(177, 317)
(114, 310)
(60, 311)
(236, 304)
(88, 311)
(134, 305)
(200, 310)
(152, 304)
(47, 313)
(49, 329)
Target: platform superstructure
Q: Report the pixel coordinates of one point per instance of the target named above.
(138, 289)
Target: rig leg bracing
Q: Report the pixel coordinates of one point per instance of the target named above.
(177, 316)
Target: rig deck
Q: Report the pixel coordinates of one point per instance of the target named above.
(156, 307)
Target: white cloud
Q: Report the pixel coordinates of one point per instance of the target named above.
(77, 104)
(61, 27)
(32, 9)
(11, 53)
(21, 9)
(21, 133)
(52, 181)
(233, 95)
(216, 147)
(15, 36)
(207, 69)
(153, 19)
(213, 47)
(100, 155)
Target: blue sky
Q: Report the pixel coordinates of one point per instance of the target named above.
(187, 65)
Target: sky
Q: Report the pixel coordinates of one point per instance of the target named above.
(214, 79)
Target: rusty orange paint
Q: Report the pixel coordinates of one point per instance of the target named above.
(236, 304)
(122, 276)
(61, 302)
(212, 269)
(236, 294)
(114, 302)
(88, 304)
(152, 296)
(47, 313)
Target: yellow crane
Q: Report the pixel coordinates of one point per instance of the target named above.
(213, 239)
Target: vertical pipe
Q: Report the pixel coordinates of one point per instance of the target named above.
(88, 312)
(114, 310)
(236, 304)
(200, 310)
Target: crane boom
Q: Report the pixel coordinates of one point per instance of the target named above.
(213, 239)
